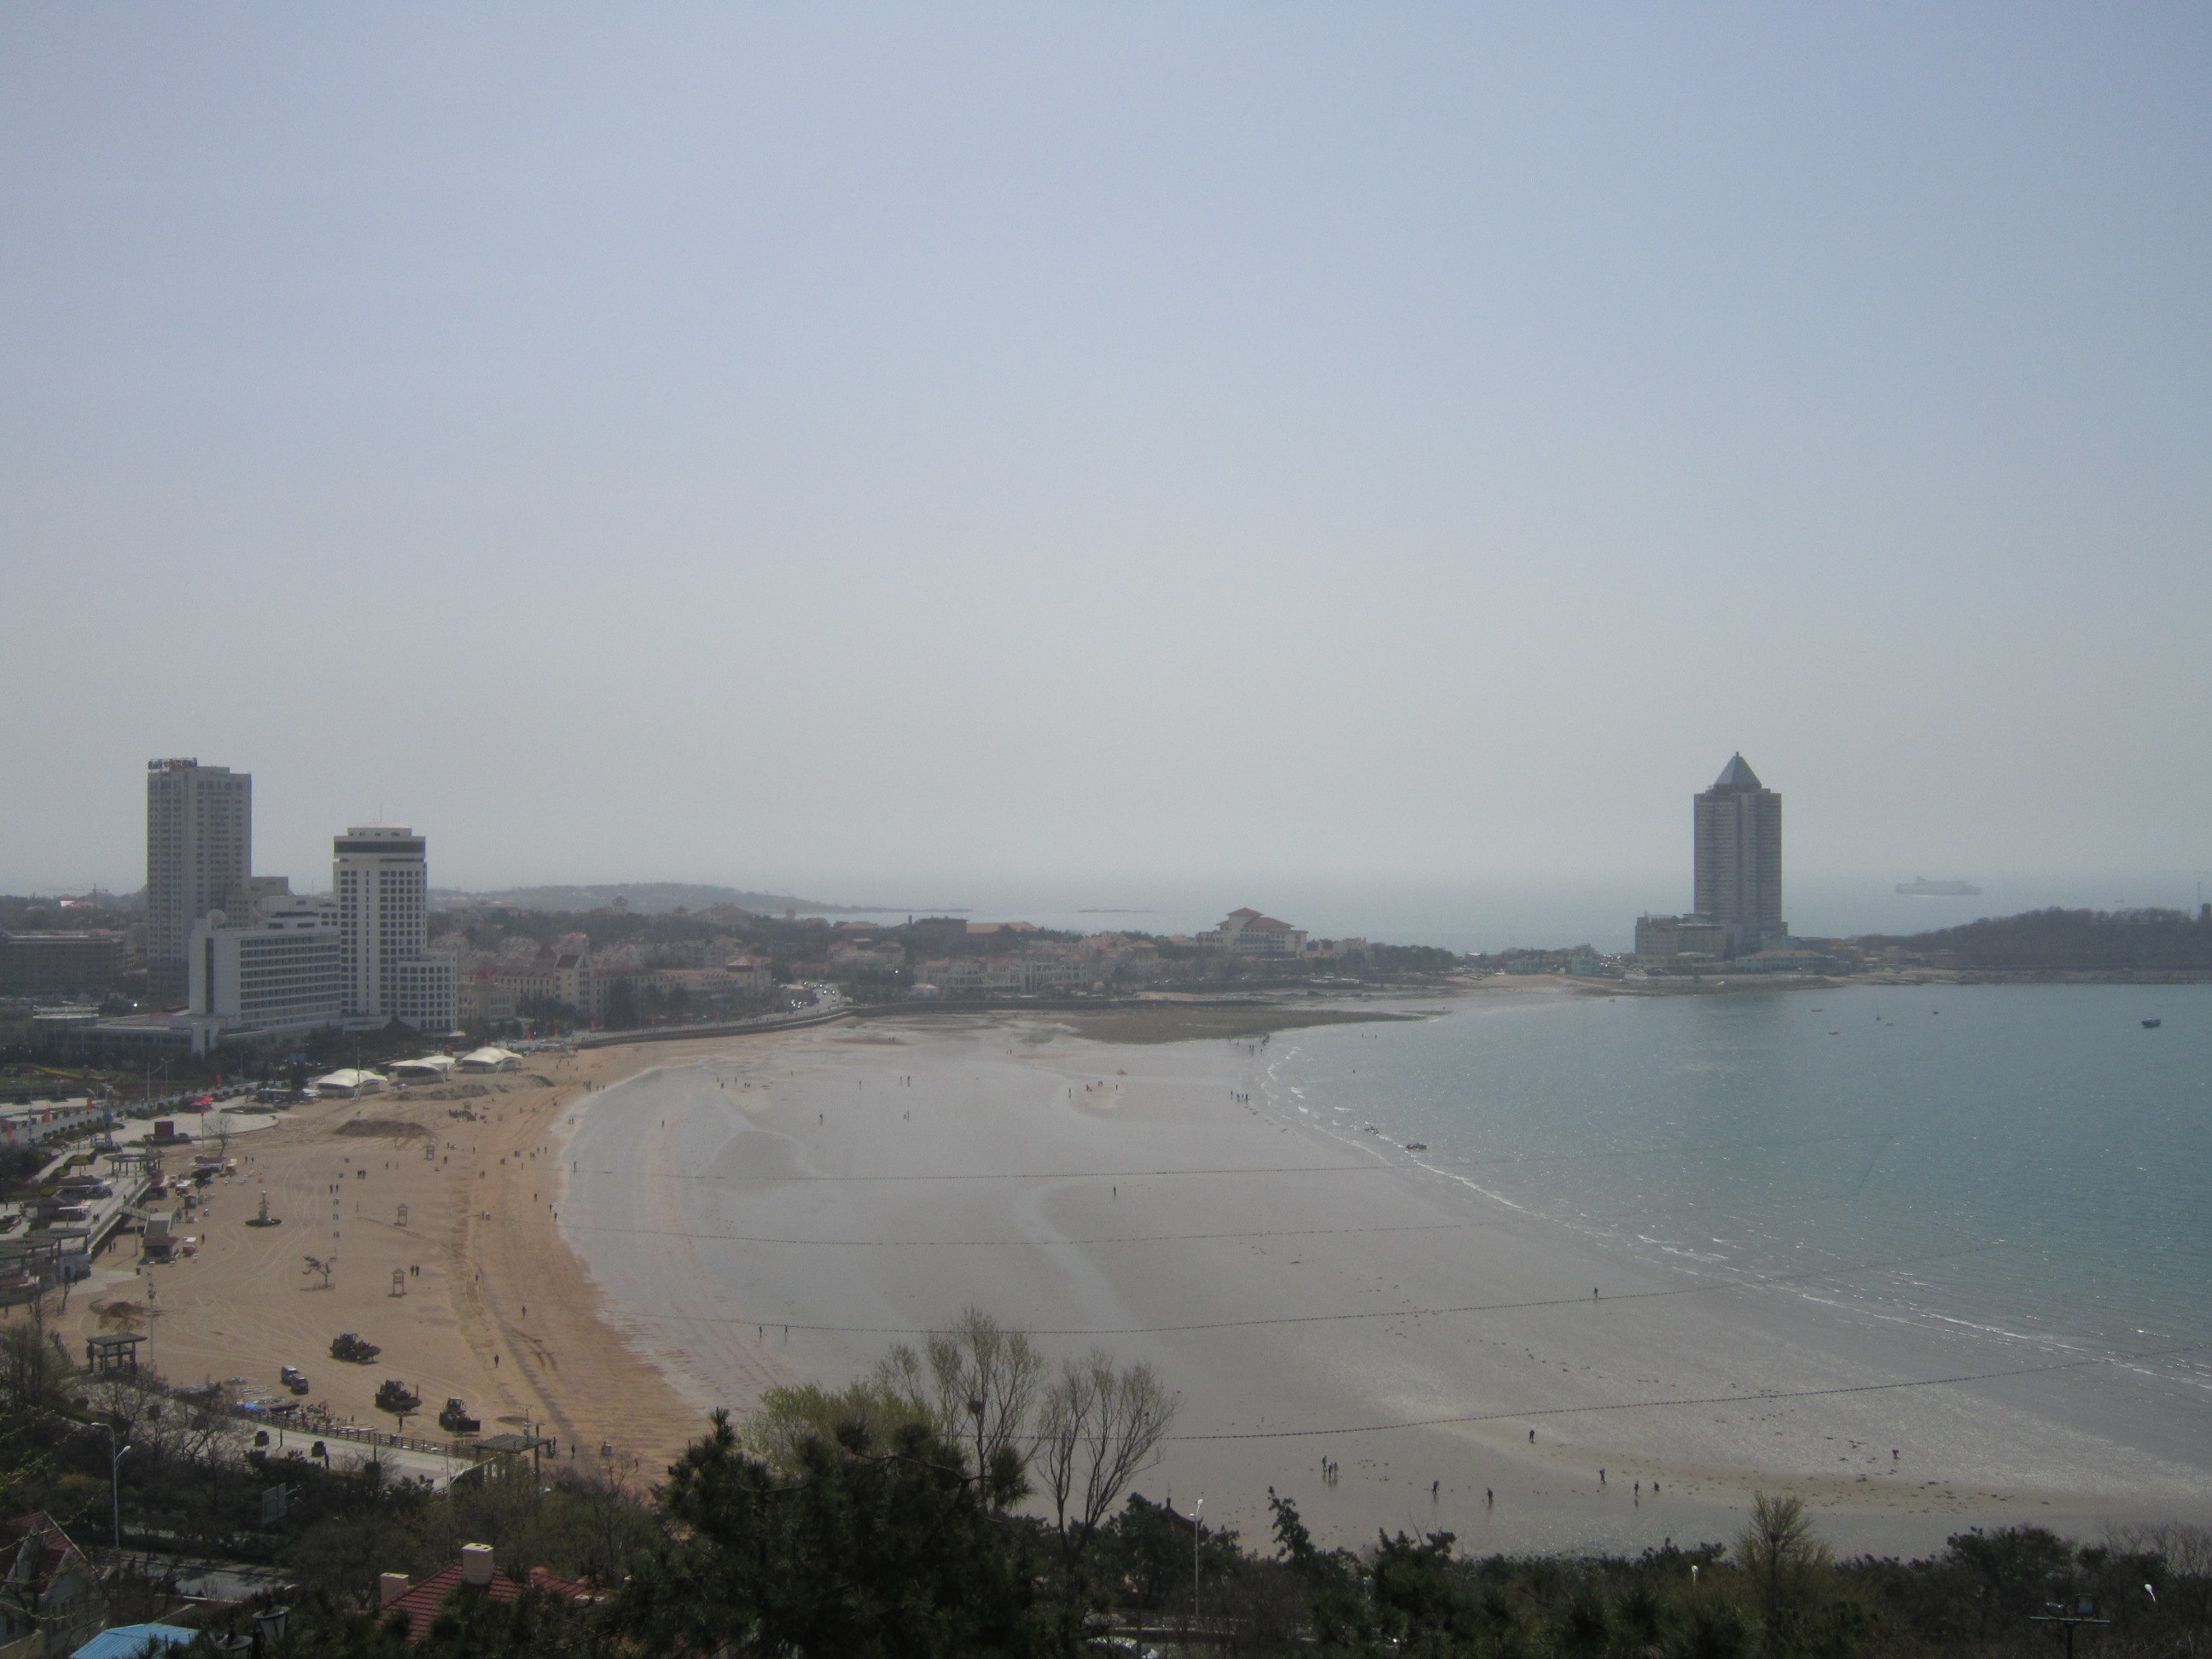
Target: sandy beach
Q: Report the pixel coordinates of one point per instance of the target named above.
(495, 1310)
(618, 1241)
(787, 1209)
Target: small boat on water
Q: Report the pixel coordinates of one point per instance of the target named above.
(2153, 1025)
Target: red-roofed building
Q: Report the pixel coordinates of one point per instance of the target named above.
(474, 1574)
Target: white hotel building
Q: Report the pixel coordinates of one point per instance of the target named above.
(381, 878)
(279, 969)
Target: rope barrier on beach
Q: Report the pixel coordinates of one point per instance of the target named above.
(1379, 1162)
(1044, 1175)
(1704, 1400)
(1026, 1244)
(1741, 1282)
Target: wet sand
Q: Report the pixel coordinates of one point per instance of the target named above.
(787, 1209)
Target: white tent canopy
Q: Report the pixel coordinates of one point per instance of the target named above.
(491, 1059)
(430, 1068)
(349, 1082)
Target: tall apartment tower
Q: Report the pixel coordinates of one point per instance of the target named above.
(1739, 857)
(381, 878)
(199, 842)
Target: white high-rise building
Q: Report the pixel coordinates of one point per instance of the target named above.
(381, 880)
(199, 842)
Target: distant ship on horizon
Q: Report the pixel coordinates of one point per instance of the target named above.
(1921, 887)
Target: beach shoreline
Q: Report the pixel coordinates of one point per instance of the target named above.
(617, 1242)
(789, 1190)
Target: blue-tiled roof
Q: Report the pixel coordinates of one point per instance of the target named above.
(129, 1641)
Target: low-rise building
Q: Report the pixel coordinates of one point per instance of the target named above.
(27, 1126)
(1663, 938)
(1248, 933)
(399, 1597)
(873, 957)
(481, 995)
(1786, 960)
(563, 977)
(705, 986)
(139, 1035)
(59, 964)
(968, 976)
(282, 970)
(50, 1594)
(1118, 956)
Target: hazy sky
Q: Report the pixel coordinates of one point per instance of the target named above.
(843, 446)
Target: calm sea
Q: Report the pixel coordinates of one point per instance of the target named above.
(2047, 1158)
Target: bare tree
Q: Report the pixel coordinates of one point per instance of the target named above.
(981, 1382)
(1099, 1427)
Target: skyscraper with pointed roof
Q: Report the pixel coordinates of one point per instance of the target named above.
(1738, 835)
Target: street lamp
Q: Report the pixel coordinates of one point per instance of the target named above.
(1195, 1516)
(115, 1456)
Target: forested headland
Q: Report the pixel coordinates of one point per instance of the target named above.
(2070, 941)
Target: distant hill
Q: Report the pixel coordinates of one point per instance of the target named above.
(2073, 940)
(646, 898)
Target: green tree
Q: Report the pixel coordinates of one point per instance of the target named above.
(869, 1549)
(787, 1418)
(1778, 1545)
(621, 1005)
